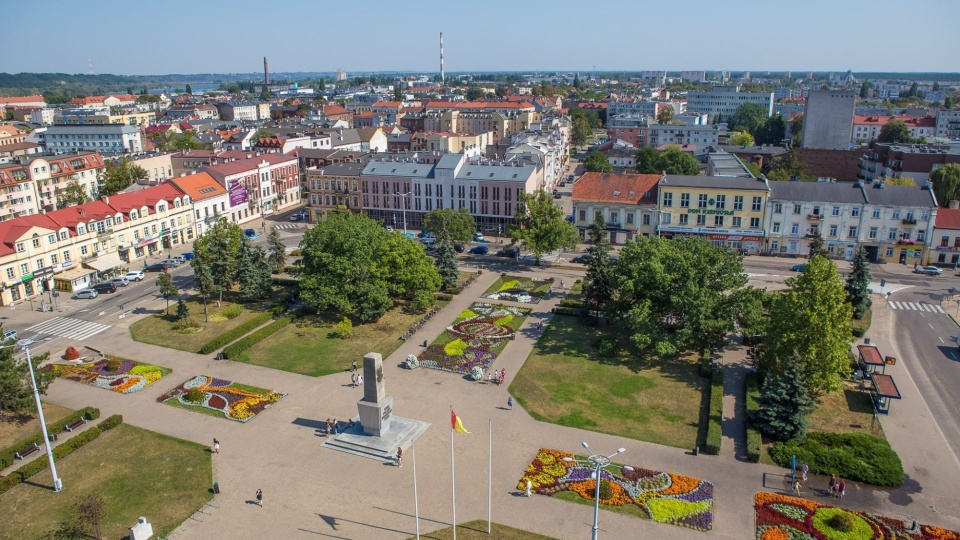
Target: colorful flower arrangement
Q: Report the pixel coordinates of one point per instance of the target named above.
(130, 376)
(784, 517)
(474, 340)
(518, 289)
(664, 497)
(240, 403)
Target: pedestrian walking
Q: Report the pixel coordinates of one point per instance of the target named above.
(354, 365)
(510, 402)
(216, 446)
(529, 487)
(832, 487)
(328, 426)
(359, 380)
(796, 487)
(539, 325)
(561, 283)
(260, 497)
(399, 457)
(353, 379)
(336, 426)
(841, 488)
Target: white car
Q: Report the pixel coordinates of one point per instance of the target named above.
(120, 281)
(134, 276)
(85, 293)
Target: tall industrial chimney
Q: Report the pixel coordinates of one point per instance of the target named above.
(266, 71)
(442, 79)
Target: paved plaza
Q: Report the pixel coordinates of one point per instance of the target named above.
(314, 492)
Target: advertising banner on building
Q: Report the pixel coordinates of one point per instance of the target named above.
(238, 193)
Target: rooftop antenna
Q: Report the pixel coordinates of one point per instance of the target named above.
(442, 77)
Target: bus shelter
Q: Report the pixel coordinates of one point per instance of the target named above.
(882, 390)
(871, 361)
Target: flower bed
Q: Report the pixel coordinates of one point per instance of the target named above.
(235, 401)
(474, 339)
(130, 376)
(663, 497)
(780, 516)
(519, 289)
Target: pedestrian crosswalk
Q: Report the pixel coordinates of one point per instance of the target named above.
(69, 328)
(916, 306)
(285, 226)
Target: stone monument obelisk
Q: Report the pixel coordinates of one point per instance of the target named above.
(376, 407)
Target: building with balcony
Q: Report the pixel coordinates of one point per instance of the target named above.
(53, 174)
(102, 138)
(730, 212)
(797, 211)
(893, 160)
(866, 128)
(18, 193)
(249, 111)
(210, 199)
(259, 185)
(948, 124)
(945, 248)
(898, 222)
(700, 136)
(626, 202)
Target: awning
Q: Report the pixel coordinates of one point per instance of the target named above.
(71, 274)
(104, 262)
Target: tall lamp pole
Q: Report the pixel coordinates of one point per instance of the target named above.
(57, 483)
(404, 209)
(598, 462)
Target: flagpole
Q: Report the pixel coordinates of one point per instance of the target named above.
(490, 476)
(453, 485)
(416, 503)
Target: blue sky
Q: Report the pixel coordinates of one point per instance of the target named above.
(200, 36)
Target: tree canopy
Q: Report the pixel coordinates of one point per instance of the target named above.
(671, 161)
(772, 131)
(664, 114)
(895, 131)
(741, 138)
(541, 227)
(16, 391)
(811, 321)
(457, 225)
(72, 195)
(946, 183)
(120, 175)
(598, 162)
(857, 283)
(784, 167)
(674, 294)
(598, 283)
(353, 266)
(749, 117)
(784, 404)
(217, 251)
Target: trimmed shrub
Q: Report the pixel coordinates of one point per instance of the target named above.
(561, 310)
(706, 358)
(344, 328)
(231, 312)
(234, 334)
(568, 302)
(284, 281)
(113, 364)
(71, 353)
(7, 482)
(842, 522)
(194, 395)
(857, 331)
(858, 456)
(234, 350)
(754, 438)
(110, 422)
(715, 421)
(188, 325)
(296, 253)
(66, 448)
(443, 297)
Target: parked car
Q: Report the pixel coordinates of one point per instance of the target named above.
(120, 281)
(251, 233)
(582, 259)
(86, 293)
(11, 334)
(478, 237)
(134, 276)
(157, 267)
(458, 248)
(105, 288)
(295, 217)
(930, 270)
(188, 256)
(479, 250)
(508, 252)
(181, 258)
(171, 263)
(389, 229)
(798, 267)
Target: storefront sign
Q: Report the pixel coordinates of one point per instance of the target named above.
(709, 231)
(43, 271)
(710, 212)
(736, 237)
(836, 243)
(26, 277)
(238, 193)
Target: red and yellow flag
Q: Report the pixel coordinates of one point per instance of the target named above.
(456, 424)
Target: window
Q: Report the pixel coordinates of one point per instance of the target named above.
(921, 236)
(629, 218)
(836, 211)
(893, 234)
(20, 247)
(852, 233)
(701, 220)
(10, 270)
(945, 241)
(51, 238)
(794, 228)
(718, 221)
(910, 215)
(754, 223)
(774, 245)
(84, 251)
(816, 211)
(777, 208)
(876, 213)
(24, 269)
(873, 233)
(896, 214)
(797, 208)
(889, 252)
(583, 215)
(736, 222)
(36, 242)
(63, 235)
(833, 230)
(923, 216)
(646, 219)
(684, 200)
(702, 200)
(738, 202)
(721, 201)
(855, 211)
(53, 259)
(757, 204)
(668, 199)
(684, 218)
(776, 227)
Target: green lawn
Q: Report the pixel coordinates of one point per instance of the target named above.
(158, 329)
(312, 350)
(565, 381)
(137, 472)
(477, 530)
(12, 428)
(537, 289)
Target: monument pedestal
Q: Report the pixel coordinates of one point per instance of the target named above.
(375, 417)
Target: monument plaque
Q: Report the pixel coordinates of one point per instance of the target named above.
(376, 407)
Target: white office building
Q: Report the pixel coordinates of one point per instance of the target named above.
(103, 138)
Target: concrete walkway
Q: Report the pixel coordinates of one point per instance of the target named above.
(311, 492)
(735, 368)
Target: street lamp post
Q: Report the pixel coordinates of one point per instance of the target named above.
(598, 462)
(57, 483)
(404, 209)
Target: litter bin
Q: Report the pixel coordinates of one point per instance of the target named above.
(216, 488)
(696, 450)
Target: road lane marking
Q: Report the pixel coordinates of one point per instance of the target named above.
(942, 341)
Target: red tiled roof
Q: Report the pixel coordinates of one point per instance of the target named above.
(87, 100)
(438, 104)
(334, 109)
(910, 121)
(199, 186)
(948, 218)
(390, 104)
(21, 99)
(14, 229)
(617, 188)
(124, 202)
(65, 163)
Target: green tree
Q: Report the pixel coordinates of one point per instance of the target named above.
(265, 94)
(785, 167)
(264, 133)
(796, 127)
(811, 321)
(901, 181)
(784, 404)
(253, 272)
(184, 141)
(677, 294)
(182, 311)
(203, 281)
(474, 93)
(865, 90)
(16, 391)
(446, 263)
(120, 175)
(278, 251)
(817, 246)
(772, 131)
(217, 251)
(576, 81)
(353, 266)
(166, 288)
(857, 283)
(541, 227)
(72, 195)
(598, 162)
(672, 161)
(753, 168)
(741, 138)
(946, 183)
(895, 131)
(458, 225)
(948, 102)
(664, 114)
(598, 283)
(397, 93)
(749, 117)
(936, 86)
(188, 90)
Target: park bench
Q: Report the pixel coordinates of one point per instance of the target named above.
(27, 450)
(75, 424)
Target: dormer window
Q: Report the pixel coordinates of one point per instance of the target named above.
(81, 229)
(161, 208)
(133, 214)
(20, 247)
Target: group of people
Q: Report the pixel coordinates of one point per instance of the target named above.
(356, 379)
(837, 487)
(497, 378)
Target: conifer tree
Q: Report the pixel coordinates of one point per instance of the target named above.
(857, 283)
(784, 405)
(816, 246)
(182, 311)
(253, 273)
(598, 283)
(446, 263)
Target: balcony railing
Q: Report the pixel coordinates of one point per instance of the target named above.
(815, 216)
(909, 221)
(905, 242)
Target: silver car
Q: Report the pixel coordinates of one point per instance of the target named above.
(120, 281)
(85, 294)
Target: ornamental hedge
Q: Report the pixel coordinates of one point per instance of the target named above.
(706, 359)
(231, 335)
(235, 349)
(856, 456)
(61, 451)
(754, 438)
(7, 455)
(715, 421)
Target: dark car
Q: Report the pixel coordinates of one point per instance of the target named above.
(479, 250)
(458, 248)
(251, 233)
(157, 267)
(582, 259)
(508, 252)
(105, 288)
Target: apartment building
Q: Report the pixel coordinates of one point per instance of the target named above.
(866, 128)
(730, 212)
(108, 116)
(948, 124)
(249, 111)
(102, 138)
(700, 136)
(723, 101)
(828, 119)
(626, 202)
(210, 199)
(259, 185)
(503, 118)
(192, 112)
(52, 175)
(18, 192)
(23, 101)
(335, 186)
(946, 236)
(917, 161)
